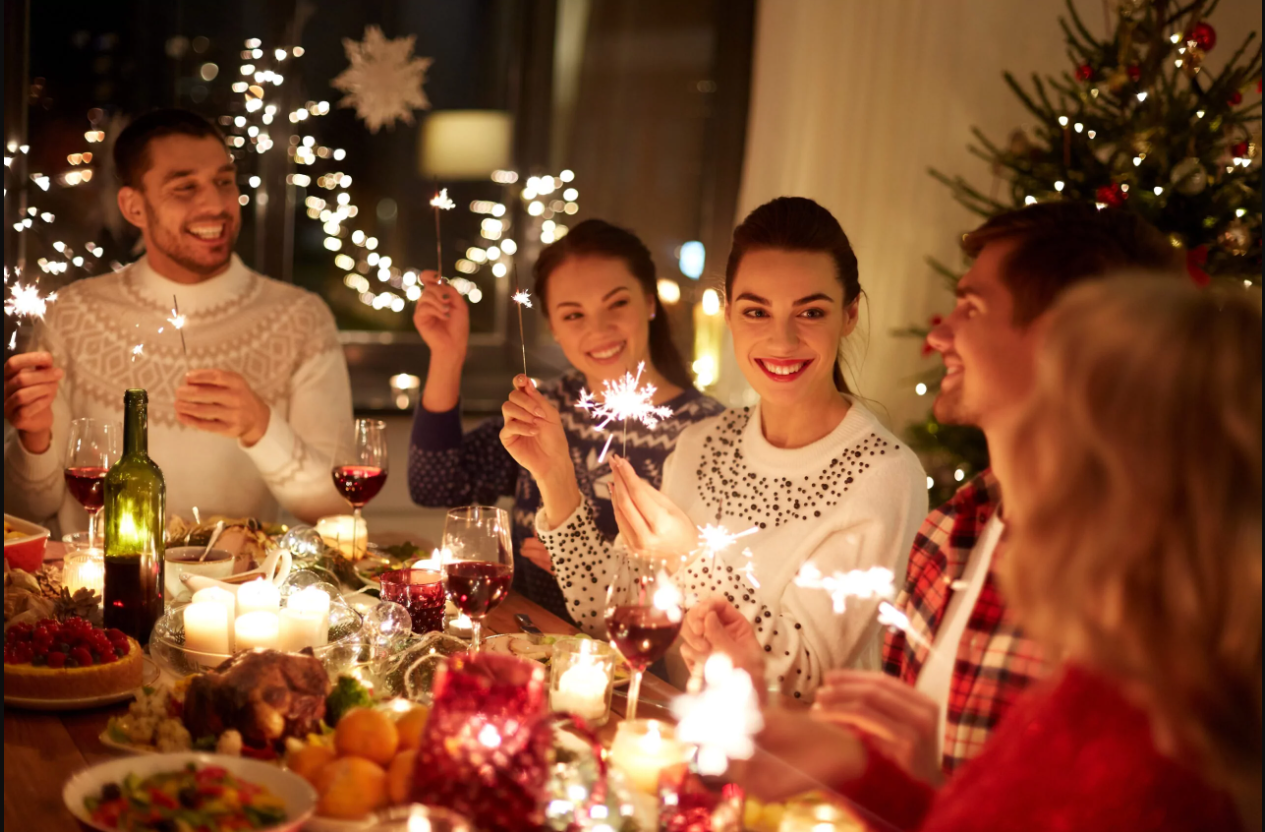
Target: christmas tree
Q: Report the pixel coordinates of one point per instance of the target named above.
(1135, 122)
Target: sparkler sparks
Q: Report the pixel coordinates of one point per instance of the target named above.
(441, 202)
(177, 320)
(523, 298)
(889, 616)
(621, 401)
(875, 582)
(723, 718)
(717, 539)
(25, 301)
(138, 351)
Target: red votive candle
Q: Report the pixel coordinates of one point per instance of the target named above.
(421, 592)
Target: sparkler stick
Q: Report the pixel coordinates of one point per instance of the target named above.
(521, 298)
(177, 320)
(441, 202)
(621, 401)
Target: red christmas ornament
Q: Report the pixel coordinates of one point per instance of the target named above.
(1241, 149)
(1204, 36)
(1196, 259)
(1236, 98)
(1135, 72)
(1084, 72)
(1111, 195)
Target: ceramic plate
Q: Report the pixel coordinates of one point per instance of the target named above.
(294, 791)
(149, 675)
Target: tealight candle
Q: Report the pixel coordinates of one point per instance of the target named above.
(84, 570)
(343, 533)
(305, 621)
(582, 672)
(256, 629)
(644, 747)
(206, 630)
(258, 596)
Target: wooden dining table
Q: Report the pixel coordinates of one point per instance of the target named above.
(43, 749)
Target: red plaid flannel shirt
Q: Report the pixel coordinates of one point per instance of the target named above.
(995, 660)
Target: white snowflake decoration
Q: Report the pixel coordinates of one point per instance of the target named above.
(384, 81)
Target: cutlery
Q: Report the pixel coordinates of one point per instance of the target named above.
(527, 625)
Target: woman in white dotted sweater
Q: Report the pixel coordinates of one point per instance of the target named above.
(809, 466)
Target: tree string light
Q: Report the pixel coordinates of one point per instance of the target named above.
(623, 400)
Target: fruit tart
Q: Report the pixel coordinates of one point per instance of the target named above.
(69, 659)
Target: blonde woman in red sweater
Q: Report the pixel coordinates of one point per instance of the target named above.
(1135, 554)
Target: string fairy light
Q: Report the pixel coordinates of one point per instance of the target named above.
(623, 400)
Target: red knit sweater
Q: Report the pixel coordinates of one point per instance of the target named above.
(1071, 756)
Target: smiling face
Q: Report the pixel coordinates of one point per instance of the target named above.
(988, 359)
(787, 316)
(186, 206)
(600, 316)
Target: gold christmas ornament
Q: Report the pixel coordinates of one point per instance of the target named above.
(1189, 176)
(1236, 238)
(1193, 60)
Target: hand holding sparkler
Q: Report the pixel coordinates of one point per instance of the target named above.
(716, 626)
(900, 720)
(647, 519)
(533, 433)
(30, 387)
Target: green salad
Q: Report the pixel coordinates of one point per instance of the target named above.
(194, 799)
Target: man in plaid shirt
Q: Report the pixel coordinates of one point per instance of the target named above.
(945, 689)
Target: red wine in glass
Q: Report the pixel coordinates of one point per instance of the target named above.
(476, 587)
(359, 483)
(642, 635)
(92, 448)
(478, 563)
(87, 485)
(360, 466)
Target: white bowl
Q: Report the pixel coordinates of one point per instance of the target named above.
(299, 797)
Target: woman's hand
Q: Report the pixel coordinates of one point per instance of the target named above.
(442, 319)
(715, 626)
(533, 432)
(535, 551)
(646, 518)
(797, 753)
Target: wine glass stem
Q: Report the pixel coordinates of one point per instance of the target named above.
(634, 693)
(476, 634)
(356, 519)
(92, 528)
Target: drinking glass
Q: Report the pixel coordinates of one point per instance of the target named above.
(478, 562)
(644, 610)
(360, 466)
(92, 449)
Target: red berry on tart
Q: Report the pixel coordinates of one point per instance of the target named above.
(69, 659)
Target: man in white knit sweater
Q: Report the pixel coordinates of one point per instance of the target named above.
(248, 421)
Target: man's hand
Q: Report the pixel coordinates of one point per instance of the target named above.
(30, 385)
(715, 626)
(536, 552)
(903, 723)
(220, 401)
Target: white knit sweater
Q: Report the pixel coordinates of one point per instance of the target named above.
(851, 500)
(282, 339)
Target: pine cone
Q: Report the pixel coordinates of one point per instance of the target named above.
(82, 604)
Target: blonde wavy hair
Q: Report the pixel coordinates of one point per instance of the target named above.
(1135, 508)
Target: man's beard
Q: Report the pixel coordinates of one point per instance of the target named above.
(170, 245)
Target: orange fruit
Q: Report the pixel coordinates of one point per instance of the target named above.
(363, 732)
(400, 776)
(308, 760)
(350, 788)
(411, 725)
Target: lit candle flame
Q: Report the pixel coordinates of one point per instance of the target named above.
(723, 718)
(441, 200)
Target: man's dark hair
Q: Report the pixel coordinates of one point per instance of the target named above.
(1059, 244)
(131, 149)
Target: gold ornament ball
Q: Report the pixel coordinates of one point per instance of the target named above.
(1236, 238)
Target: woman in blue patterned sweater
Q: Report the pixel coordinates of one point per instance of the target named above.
(596, 287)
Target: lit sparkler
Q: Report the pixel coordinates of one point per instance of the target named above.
(875, 582)
(723, 718)
(137, 351)
(522, 298)
(177, 320)
(25, 301)
(889, 616)
(717, 539)
(441, 202)
(621, 401)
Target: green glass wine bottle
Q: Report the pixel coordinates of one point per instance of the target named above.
(135, 501)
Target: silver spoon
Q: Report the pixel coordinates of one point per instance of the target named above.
(215, 535)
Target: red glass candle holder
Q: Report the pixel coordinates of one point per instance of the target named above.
(421, 592)
(485, 749)
(690, 802)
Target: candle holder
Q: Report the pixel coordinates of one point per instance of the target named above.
(582, 678)
(417, 817)
(691, 802)
(421, 592)
(84, 569)
(643, 748)
(343, 533)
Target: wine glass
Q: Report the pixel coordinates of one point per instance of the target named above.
(478, 563)
(644, 610)
(93, 447)
(360, 468)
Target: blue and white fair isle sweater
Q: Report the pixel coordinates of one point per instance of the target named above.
(449, 469)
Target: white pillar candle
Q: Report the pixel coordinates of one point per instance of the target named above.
(644, 747)
(258, 596)
(343, 533)
(582, 690)
(256, 629)
(84, 570)
(227, 600)
(206, 630)
(305, 620)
